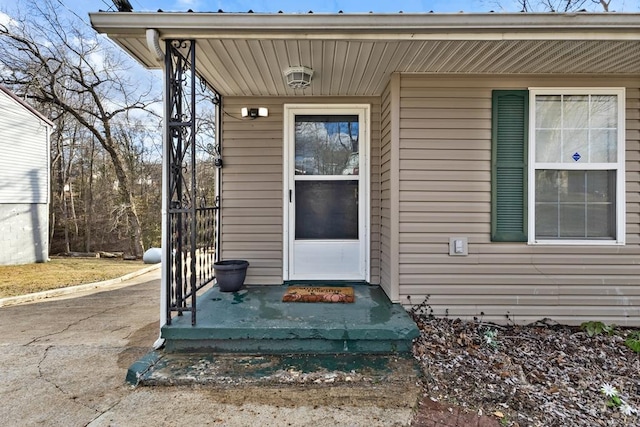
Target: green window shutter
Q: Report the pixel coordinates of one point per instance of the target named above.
(509, 151)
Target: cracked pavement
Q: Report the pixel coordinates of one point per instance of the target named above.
(64, 362)
(64, 359)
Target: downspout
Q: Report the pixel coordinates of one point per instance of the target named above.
(153, 43)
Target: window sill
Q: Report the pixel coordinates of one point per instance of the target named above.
(576, 243)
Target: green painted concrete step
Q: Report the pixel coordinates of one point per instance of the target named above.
(256, 321)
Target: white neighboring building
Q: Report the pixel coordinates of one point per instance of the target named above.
(24, 181)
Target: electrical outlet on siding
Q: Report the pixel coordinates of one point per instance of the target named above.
(458, 246)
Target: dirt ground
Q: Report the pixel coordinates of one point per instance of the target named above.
(542, 374)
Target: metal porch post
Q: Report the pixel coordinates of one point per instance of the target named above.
(180, 140)
(190, 226)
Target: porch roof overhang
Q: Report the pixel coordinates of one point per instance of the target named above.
(354, 54)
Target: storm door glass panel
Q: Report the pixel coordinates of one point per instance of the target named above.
(327, 209)
(326, 145)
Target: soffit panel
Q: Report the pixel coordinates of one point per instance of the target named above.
(254, 67)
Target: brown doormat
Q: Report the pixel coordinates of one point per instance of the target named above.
(319, 294)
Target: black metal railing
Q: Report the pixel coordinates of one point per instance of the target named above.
(190, 265)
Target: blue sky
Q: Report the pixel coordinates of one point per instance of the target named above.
(83, 7)
(332, 6)
(304, 6)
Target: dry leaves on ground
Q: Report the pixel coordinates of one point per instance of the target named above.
(542, 374)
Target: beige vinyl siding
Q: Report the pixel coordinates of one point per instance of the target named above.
(389, 185)
(385, 191)
(252, 184)
(445, 191)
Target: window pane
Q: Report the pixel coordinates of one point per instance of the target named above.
(604, 111)
(575, 142)
(604, 146)
(548, 108)
(326, 145)
(599, 221)
(572, 220)
(572, 186)
(575, 109)
(546, 186)
(584, 206)
(600, 184)
(548, 145)
(326, 209)
(547, 220)
(601, 209)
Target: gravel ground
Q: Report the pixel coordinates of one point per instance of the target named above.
(543, 374)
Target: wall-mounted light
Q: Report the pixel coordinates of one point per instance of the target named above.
(214, 151)
(298, 77)
(255, 112)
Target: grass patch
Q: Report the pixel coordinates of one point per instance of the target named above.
(60, 273)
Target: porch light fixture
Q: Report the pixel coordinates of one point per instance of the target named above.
(255, 112)
(298, 77)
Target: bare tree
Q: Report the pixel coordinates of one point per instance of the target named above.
(556, 5)
(51, 61)
(62, 155)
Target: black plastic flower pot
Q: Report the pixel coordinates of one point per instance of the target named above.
(230, 274)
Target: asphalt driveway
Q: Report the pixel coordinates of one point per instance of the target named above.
(63, 363)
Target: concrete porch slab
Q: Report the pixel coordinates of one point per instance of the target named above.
(256, 321)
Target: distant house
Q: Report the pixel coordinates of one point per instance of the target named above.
(24, 181)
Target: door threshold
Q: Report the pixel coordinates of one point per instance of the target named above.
(326, 282)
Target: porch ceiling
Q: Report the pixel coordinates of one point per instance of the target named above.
(245, 54)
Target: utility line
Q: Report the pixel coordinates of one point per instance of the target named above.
(74, 13)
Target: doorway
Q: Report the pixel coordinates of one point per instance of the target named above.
(326, 203)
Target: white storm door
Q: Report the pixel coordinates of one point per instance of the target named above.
(326, 192)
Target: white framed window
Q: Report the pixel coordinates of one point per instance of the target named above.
(576, 174)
